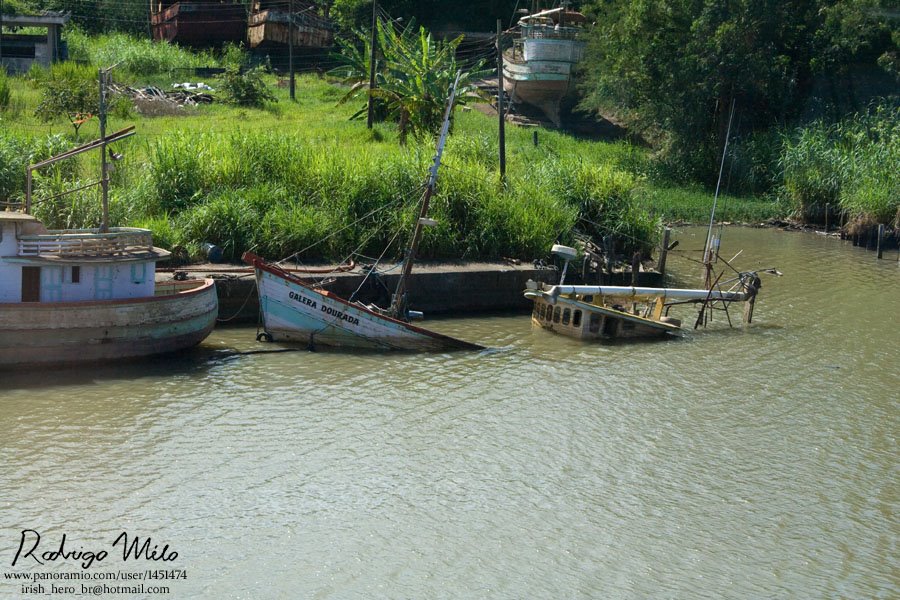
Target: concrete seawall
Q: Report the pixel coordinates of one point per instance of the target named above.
(434, 288)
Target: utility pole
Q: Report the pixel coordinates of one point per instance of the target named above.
(104, 173)
(500, 105)
(291, 45)
(371, 117)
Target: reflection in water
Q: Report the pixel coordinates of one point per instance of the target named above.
(752, 462)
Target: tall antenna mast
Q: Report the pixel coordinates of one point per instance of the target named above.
(708, 250)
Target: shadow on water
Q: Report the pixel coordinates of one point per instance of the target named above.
(191, 363)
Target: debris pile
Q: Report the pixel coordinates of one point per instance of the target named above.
(153, 101)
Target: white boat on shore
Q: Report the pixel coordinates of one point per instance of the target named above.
(537, 69)
(84, 295)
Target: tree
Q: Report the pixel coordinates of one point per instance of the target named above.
(673, 67)
(69, 90)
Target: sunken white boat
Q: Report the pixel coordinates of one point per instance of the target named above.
(295, 311)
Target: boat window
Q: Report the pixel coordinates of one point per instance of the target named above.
(589, 298)
(549, 314)
(566, 315)
(542, 309)
(76, 274)
(556, 315)
(610, 326)
(594, 325)
(576, 319)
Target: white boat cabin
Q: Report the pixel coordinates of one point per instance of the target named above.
(37, 265)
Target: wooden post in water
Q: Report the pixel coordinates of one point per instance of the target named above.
(880, 238)
(826, 217)
(664, 252)
(635, 268)
(610, 246)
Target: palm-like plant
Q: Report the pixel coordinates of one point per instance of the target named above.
(413, 79)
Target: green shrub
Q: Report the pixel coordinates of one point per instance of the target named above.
(165, 234)
(245, 89)
(232, 219)
(14, 155)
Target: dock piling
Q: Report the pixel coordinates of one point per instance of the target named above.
(880, 239)
(664, 252)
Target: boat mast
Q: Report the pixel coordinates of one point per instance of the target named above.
(708, 253)
(398, 304)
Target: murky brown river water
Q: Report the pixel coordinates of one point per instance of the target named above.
(729, 464)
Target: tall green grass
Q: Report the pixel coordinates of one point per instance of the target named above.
(853, 164)
(137, 56)
(693, 205)
(308, 179)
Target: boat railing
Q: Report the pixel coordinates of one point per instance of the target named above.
(546, 32)
(86, 242)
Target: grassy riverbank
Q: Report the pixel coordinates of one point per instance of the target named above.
(281, 179)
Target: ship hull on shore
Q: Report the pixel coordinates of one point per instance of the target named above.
(537, 70)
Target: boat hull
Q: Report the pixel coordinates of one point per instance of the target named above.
(180, 315)
(295, 312)
(541, 74)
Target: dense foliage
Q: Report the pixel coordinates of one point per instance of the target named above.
(279, 181)
(672, 68)
(814, 83)
(436, 15)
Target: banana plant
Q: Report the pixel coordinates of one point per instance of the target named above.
(413, 78)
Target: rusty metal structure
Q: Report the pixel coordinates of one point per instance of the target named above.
(198, 22)
(281, 23)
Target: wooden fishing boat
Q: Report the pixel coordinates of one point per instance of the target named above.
(85, 295)
(621, 312)
(294, 311)
(537, 69)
